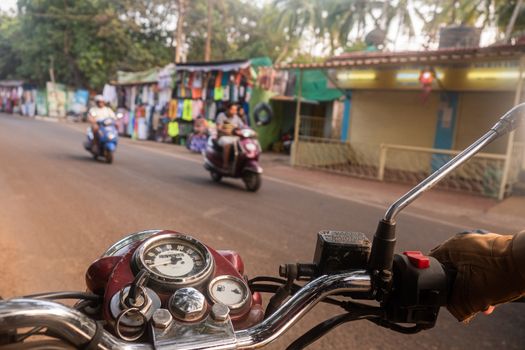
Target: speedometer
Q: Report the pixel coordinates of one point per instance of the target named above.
(174, 259)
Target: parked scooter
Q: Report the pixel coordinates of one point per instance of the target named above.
(245, 162)
(107, 140)
(161, 289)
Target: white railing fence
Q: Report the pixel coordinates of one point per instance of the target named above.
(407, 164)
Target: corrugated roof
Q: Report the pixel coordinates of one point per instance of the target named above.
(442, 56)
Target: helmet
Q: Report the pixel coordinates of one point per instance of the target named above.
(99, 98)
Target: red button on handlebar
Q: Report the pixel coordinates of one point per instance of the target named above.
(417, 259)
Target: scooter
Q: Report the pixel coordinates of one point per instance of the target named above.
(162, 289)
(245, 162)
(107, 137)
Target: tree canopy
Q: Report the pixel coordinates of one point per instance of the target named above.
(88, 41)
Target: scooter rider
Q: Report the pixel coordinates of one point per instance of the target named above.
(490, 271)
(226, 124)
(97, 113)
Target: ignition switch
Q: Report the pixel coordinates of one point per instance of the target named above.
(132, 307)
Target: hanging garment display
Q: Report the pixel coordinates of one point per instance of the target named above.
(186, 113)
(196, 93)
(225, 78)
(197, 109)
(109, 92)
(226, 93)
(217, 93)
(172, 109)
(211, 110)
(180, 108)
(197, 80)
(145, 94)
(173, 129)
(164, 97)
(142, 129)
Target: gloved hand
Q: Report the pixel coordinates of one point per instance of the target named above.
(490, 271)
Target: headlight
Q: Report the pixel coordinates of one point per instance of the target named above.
(250, 147)
(246, 133)
(111, 136)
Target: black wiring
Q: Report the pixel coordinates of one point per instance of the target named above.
(322, 329)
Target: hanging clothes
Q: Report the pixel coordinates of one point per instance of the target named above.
(172, 109)
(180, 108)
(218, 79)
(225, 78)
(217, 93)
(211, 110)
(187, 110)
(173, 129)
(226, 93)
(197, 80)
(197, 109)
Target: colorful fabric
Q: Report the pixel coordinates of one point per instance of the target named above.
(180, 108)
(217, 93)
(197, 109)
(225, 79)
(226, 93)
(173, 129)
(196, 93)
(218, 80)
(187, 110)
(172, 109)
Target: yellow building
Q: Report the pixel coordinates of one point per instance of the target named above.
(406, 113)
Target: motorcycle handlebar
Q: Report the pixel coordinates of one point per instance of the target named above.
(76, 328)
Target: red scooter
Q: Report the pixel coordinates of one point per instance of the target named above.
(245, 162)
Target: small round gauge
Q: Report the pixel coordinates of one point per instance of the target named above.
(174, 259)
(230, 291)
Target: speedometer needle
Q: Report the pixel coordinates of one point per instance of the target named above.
(165, 262)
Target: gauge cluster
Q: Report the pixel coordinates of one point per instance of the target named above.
(186, 277)
(174, 260)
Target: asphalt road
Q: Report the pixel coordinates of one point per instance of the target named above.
(59, 210)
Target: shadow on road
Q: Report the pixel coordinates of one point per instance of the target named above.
(206, 181)
(81, 158)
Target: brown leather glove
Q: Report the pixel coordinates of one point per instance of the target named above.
(490, 271)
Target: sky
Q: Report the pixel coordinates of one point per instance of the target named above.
(7, 4)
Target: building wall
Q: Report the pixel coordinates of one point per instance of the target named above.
(396, 117)
(478, 112)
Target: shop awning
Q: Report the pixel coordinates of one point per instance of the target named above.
(149, 76)
(11, 83)
(315, 87)
(225, 66)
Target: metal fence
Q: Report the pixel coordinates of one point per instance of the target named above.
(397, 163)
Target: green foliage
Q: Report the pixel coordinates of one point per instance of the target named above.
(88, 41)
(85, 41)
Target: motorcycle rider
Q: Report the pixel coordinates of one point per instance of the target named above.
(490, 271)
(227, 122)
(97, 113)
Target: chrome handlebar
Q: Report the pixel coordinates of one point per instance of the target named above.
(78, 329)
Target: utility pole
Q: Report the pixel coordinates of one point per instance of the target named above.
(178, 32)
(207, 50)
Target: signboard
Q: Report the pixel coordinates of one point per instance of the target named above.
(56, 100)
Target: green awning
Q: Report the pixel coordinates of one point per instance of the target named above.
(315, 87)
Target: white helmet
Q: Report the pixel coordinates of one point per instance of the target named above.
(99, 98)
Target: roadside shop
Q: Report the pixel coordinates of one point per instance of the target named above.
(173, 103)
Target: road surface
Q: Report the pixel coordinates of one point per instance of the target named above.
(59, 210)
